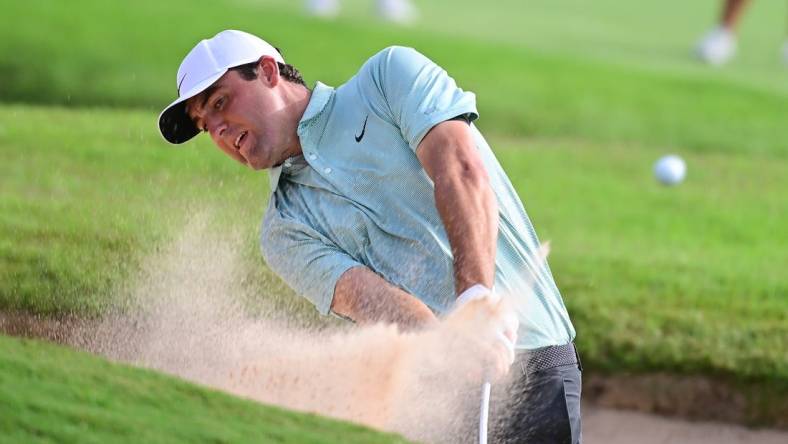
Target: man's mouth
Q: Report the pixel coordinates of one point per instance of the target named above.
(240, 140)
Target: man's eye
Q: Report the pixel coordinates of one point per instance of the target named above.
(219, 103)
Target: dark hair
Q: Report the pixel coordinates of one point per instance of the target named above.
(288, 72)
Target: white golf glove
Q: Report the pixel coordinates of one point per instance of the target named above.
(506, 322)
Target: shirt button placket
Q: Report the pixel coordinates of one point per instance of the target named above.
(312, 156)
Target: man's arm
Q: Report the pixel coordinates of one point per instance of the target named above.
(465, 201)
(365, 297)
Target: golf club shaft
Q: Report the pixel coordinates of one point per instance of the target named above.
(484, 412)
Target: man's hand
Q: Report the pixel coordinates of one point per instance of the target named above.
(486, 327)
(507, 335)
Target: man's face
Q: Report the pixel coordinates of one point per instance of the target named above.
(248, 119)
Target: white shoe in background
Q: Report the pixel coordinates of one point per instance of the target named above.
(397, 11)
(323, 8)
(717, 47)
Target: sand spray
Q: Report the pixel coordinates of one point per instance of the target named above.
(184, 316)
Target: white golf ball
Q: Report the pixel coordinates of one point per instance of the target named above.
(670, 169)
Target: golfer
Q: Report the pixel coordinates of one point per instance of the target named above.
(387, 204)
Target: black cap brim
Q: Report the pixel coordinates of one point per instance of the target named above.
(175, 124)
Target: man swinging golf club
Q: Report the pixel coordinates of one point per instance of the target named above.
(388, 205)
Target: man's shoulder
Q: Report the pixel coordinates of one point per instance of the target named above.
(390, 66)
(391, 56)
(369, 83)
(389, 61)
(393, 51)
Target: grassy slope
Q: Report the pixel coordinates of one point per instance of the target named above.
(689, 279)
(84, 195)
(521, 91)
(53, 394)
(713, 258)
(655, 34)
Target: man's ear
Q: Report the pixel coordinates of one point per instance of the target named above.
(268, 70)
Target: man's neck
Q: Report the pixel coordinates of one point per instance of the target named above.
(299, 96)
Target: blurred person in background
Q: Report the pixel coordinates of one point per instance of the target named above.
(718, 46)
(396, 11)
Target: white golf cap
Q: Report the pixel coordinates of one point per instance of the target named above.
(203, 66)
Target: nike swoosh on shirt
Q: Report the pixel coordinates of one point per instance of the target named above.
(363, 129)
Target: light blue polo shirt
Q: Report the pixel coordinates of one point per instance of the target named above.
(358, 196)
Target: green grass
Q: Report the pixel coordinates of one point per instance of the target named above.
(688, 279)
(577, 104)
(53, 394)
(651, 34)
(86, 194)
(128, 54)
(655, 283)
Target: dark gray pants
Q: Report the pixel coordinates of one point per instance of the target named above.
(542, 404)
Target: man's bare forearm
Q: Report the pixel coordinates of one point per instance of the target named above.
(465, 201)
(366, 298)
(470, 216)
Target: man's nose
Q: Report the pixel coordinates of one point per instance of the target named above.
(217, 127)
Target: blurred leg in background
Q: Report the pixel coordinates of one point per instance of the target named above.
(719, 44)
(396, 11)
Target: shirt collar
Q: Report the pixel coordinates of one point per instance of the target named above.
(273, 177)
(320, 97)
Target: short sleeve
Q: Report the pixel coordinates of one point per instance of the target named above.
(414, 92)
(307, 261)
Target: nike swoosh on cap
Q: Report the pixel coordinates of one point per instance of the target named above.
(181, 82)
